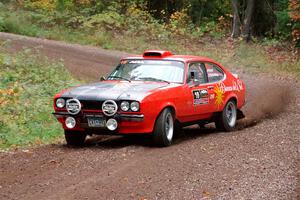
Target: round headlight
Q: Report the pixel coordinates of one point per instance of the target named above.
(135, 106)
(112, 124)
(70, 122)
(60, 103)
(125, 106)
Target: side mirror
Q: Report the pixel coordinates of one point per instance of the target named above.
(102, 78)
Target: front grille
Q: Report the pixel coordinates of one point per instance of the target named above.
(91, 105)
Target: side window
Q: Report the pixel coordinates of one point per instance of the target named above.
(197, 73)
(214, 72)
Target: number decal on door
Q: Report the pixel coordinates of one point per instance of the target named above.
(200, 97)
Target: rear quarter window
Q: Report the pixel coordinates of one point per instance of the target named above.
(214, 72)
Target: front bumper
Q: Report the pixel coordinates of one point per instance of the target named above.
(127, 123)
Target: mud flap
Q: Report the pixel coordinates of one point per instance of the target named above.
(240, 114)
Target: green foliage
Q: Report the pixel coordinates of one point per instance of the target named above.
(283, 25)
(208, 10)
(109, 19)
(103, 39)
(17, 23)
(294, 13)
(188, 18)
(2, 24)
(27, 86)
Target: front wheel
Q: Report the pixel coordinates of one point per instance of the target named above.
(75, 138)
(226, 120)
(164, 128)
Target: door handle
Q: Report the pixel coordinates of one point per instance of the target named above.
(210, 87)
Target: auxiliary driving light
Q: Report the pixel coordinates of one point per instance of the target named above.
(70, 122)
(112, 124)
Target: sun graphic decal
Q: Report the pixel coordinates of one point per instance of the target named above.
(219, 96)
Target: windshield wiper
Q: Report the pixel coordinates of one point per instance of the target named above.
(119, 77)
(153, 79)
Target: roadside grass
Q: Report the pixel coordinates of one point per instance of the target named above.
(27, 85)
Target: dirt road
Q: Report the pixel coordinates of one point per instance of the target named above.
(85, 62)
(259, 161)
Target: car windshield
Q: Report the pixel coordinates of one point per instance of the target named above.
(149, 70)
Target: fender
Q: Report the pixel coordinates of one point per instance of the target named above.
(160, 108)
(56, 96)
(167, 104)
(229, 96)
(63, 91)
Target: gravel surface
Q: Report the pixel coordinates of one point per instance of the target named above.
(259, 161)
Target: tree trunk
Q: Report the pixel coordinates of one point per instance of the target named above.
(236, 25)
(246, 30)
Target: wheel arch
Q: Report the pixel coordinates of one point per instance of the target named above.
(167, 104)
(229, 98)
(232, 98)
(162, 108)
(240, 114)
(160, 137)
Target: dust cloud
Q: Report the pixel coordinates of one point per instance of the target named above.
(265, 99)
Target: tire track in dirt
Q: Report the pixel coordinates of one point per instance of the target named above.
(259, 162)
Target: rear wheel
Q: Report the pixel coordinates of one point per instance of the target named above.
(75, 138)
(164, 128)
(226, 120)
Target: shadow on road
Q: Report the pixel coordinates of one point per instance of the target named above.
(188, 133)
(110, 142)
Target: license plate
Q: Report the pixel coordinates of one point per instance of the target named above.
(96, 122)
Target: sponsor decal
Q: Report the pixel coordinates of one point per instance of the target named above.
(136, 61)
(236, 86)
(240, 84)
(219, 91)
(158, 62)
(221, 88)
(200, 97)
(210, 70)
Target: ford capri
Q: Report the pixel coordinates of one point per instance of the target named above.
(154, 94)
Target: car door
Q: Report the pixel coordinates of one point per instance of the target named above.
(216, 86)
(199, 105)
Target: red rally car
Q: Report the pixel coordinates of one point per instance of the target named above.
(154, 93)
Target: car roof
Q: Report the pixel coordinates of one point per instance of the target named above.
(183, 58)
(167, 55)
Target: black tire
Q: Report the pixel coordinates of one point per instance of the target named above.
(75, 138)
(164, 128)
(226, 120)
